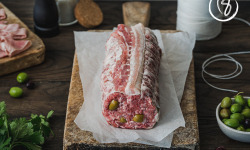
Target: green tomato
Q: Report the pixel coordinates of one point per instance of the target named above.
(226, 102)
(16, 92)
(22, 77)
(240, 100)
(233, 123)
(237, 116)
(241, 128)
(235, 108)
(246, 113)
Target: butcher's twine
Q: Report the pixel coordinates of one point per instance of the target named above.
(193, 16)
(224, 57)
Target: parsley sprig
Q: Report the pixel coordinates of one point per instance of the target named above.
(20, 132)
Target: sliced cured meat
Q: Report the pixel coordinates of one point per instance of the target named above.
(3, 54)
(3, 22)
(10, 47)
(2, 14)
(20, 34)
(129, 80)
(14, 30)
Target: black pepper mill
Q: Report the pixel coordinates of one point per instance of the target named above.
(46, 18)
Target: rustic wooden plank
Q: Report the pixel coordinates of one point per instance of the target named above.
(74, 138)
(33, 56)
(136, 12)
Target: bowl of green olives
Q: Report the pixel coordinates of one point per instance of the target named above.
(233, 117)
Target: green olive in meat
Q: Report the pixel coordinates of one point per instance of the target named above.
(138, 118)
(113, 105)
(123, 120)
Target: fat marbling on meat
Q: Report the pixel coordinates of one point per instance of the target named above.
(129, 79)
(2, 14)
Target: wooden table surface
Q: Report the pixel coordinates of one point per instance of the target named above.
(53, 76)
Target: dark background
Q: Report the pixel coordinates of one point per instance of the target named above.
(53, 76)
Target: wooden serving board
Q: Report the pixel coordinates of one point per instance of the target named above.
(33, 56)
(76, 139)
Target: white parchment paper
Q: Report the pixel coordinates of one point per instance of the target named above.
(177, 54)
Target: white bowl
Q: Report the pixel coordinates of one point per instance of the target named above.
(230, 132)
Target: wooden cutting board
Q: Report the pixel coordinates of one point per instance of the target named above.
(76, 139)
(33, 56)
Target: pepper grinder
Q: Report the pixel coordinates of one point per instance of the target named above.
(46, 18)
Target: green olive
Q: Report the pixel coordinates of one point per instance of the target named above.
(113, 105)
(16, 92)
(233, 123)
(247, 130)
(246, 107)
(237, 116)
(241, 128)
(22, 77)
(138, 118)
(123, 120)
(223, 120)
(235, 108)
(248, 102)
(240, 100)
(225, 113)
(246, 113)
(226, 102)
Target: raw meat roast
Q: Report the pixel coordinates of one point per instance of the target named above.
(129, 81)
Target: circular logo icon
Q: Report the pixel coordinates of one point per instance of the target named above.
(228, 8)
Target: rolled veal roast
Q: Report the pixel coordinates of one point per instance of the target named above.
(129, 80)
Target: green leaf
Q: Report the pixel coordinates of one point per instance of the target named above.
(46, 131)
(33, 116)
(42, 116)
(4, 142)
(20, 133)
(36, 138)
(29, 146)
(19, 128)
(50, 114)
(36, 121)
(2, 108)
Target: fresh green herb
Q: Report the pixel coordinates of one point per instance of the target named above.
(29, 134)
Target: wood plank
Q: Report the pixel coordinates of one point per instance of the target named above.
(136, 12)
(74, 138)
(33, 56)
